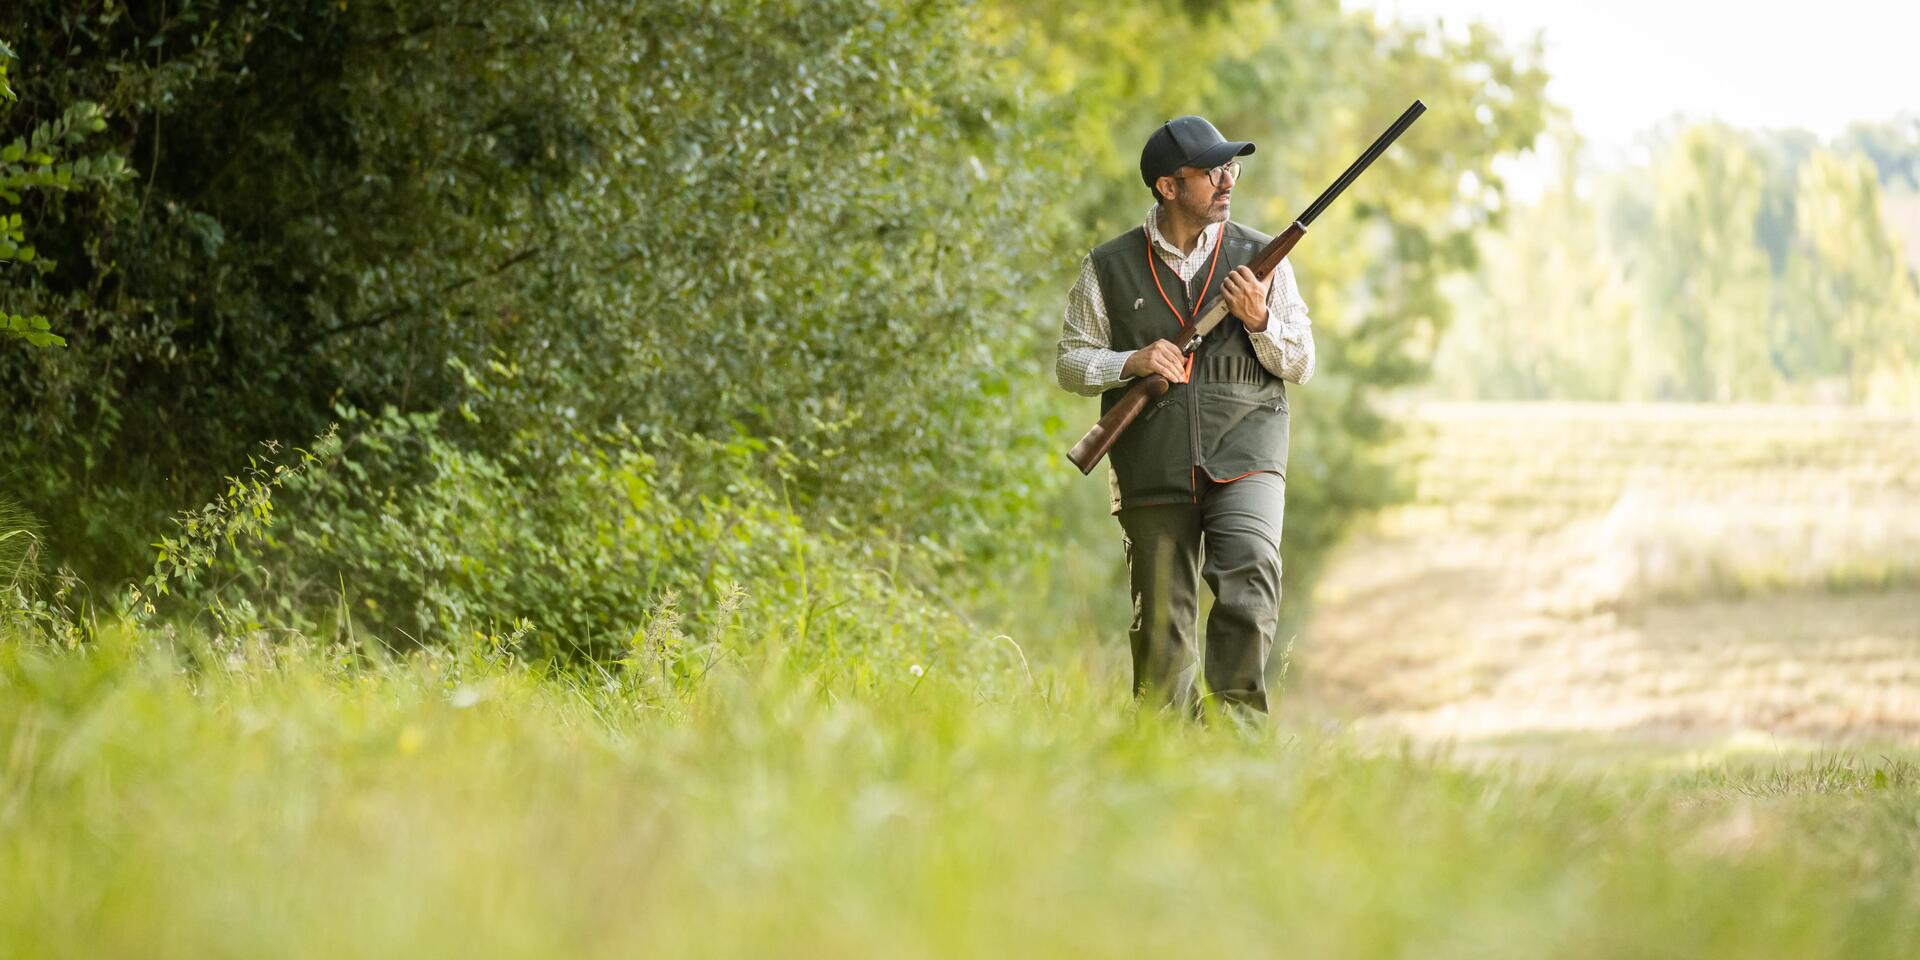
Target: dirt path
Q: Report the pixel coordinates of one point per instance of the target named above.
(1716, 596)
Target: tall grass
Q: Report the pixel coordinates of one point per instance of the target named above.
(19, 546)
(171, 797)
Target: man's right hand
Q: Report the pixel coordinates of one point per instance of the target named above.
(1159, 357)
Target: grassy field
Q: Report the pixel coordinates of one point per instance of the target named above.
(166, 799)
(1678, 575)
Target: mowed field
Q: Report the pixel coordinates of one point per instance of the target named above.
(1737, 576)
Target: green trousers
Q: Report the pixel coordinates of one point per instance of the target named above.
(1231, 538)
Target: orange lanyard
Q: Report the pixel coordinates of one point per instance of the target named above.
(1193, 308)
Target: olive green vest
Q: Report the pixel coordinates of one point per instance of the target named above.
(1229, 420)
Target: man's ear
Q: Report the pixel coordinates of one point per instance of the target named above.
(1165, 187)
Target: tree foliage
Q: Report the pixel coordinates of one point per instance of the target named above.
(1739, 265)
(800, 220)
(31, 162)
(1853, 306)
(533, 254)
(1706, 270)
(1570, 302)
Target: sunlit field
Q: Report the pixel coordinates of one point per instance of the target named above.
(182, 801)
(1671, 574)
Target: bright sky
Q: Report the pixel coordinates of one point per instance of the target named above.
(1624, 66)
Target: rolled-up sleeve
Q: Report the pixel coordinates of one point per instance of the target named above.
(1083, 363)
(1285, 347)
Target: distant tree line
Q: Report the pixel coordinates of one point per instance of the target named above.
(1738, 265)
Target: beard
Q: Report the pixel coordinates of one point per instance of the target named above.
(1200, 206)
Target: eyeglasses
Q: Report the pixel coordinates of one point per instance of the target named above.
(1220, 175)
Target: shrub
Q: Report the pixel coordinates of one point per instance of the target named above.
(607, 551)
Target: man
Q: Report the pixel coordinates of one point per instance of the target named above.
(1199, 480)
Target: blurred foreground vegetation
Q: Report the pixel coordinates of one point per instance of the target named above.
(189, 798)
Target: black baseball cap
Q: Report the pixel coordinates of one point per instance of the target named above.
(1187, 142)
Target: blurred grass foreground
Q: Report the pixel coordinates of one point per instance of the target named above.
(184, 799)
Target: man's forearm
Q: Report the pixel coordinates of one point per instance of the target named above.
(1089, 370)
(1285, 346)
(1084, 364)
(1286, 350)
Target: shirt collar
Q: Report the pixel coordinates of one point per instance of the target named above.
(1201, 247)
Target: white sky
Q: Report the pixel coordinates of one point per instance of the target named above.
(1623, 67)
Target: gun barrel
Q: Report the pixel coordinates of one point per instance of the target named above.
(1359, 166)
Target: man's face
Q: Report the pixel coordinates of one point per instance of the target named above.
(1198, 198)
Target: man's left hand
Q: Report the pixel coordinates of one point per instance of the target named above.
(1247, 298)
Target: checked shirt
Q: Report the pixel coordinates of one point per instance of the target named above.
(1086, 366)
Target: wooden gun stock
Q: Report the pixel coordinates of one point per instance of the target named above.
(1101, 438)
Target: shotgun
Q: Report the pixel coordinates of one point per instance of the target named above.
(1145, 390)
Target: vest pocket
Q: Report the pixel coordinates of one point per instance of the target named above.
(1243, 424)
(1241, 397)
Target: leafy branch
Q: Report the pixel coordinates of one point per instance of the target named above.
(244, 510)
(30, 163)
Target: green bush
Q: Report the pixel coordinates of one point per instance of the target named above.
(607, 551)
(808, 221)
